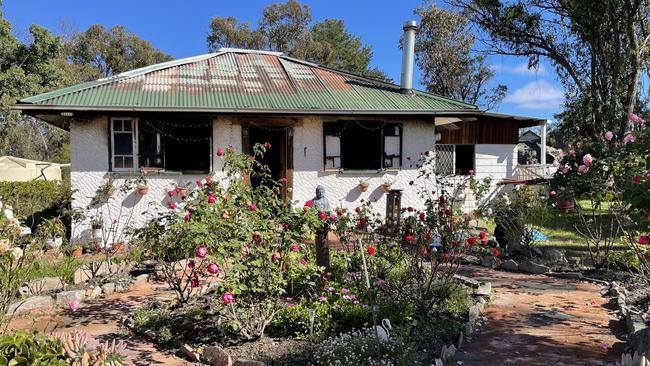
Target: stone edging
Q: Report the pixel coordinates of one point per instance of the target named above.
(638, 332)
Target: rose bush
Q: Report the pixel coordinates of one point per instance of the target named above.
(245, 236)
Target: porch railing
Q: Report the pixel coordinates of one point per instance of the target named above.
(534, 171)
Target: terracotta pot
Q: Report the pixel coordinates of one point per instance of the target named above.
(76, 252)
(142, 189)
(566, 205)
(118, 247)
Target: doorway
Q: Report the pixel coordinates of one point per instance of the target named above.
(277, 158)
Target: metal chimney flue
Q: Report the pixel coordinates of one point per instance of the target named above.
(408, 55)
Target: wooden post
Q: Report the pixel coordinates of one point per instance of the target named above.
(322, 249)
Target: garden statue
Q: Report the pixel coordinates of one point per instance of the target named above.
(322, 248)
(383, 330)
(320, 202)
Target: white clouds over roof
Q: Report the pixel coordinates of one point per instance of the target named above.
(538, 94)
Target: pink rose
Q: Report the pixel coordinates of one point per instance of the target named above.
(190, 264)
(644, 239)
(587, 160)
(213, 268)
(212, 199)
(199, 183)
(582, 169)
(552, 193)
(332, 217)
(322, 215)
(73, 305)
(219, 152)
(187, 217)
(267, 145)
(634, 118)
(227, 297)
(275, 257)
(309, 204)
(629, 138)
(172, 205)
(252, 207)
(170, 194)
(303, 261)
(565, 169)
(295, 248)
(609, 135)
(201, 251)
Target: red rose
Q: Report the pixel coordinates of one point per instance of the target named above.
(219, 152)
(483, 234)
(410, 209)
(644, 239)
(358, 209)
(471, 240)
(636, 179)
(322, 215)
(309, 204)
(267, 145)
(332, 217)
(170, 193)
(371, 250)
(422, 216)
(495, 252)
(362, 222)
(409, 238)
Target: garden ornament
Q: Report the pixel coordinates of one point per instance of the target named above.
(321, 202)
(383, 330)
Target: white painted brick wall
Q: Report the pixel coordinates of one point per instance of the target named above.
(90, 163)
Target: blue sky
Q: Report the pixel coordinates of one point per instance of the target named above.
(180, 28)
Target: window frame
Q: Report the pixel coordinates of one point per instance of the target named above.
(135, 138)
(134, 143)
(453, 159)
(338, 126)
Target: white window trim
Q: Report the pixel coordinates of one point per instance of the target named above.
(134, 141)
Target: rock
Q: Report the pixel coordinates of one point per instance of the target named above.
(243, 362)
(65, 297)
(639, 338)
(31, 303)
(576, 261)
(555, 255)
(484, 289)
(93, 293)
(44, 285)
(491, 262)
(510, 265)
(108, 288)
(532, 267)
(190, 353)
(470, 259)
(216, 356)
(470, 282)
(474, 313)
(141, 278)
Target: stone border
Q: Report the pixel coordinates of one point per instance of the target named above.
(638, 331)
(482, 294)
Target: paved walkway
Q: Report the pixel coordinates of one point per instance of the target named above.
(102, 319)
(537, 320)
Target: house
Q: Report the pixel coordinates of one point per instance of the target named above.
(13, 169)
(530, 149)
(325, 126)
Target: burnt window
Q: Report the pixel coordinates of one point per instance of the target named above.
(454, 159)
(171, 144)
(362, 145)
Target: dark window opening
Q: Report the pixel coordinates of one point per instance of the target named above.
(357, 145)
(464, 159)
(275, 157)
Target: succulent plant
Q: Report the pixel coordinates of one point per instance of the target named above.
(635, 359)
(80, 350)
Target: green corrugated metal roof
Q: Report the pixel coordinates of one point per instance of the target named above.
(241, 80)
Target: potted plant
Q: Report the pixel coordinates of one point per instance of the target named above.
(386, 185)
(117, 246)
(76, 251)
(52, 232)
(96, 225)
(363, 185)
(142, 185)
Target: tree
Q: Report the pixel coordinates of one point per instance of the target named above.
(449, 66)
(112, 51)
(284, 27)
(598, 48)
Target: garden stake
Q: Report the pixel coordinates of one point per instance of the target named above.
(312, 317)
(375, 308)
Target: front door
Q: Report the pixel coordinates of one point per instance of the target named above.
(278, 157)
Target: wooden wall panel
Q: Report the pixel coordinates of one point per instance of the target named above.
(481, 132)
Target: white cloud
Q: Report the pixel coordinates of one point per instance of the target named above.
(536, 95)
(519, 69)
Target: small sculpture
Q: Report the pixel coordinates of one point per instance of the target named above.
(383, 330)
(321, 202)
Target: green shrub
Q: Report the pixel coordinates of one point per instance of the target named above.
(26, 349)
(63, 269)
(35, 200)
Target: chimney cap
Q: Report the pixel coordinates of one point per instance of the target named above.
(411, 24)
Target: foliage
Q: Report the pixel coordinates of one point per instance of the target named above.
(248, 236)
(63, 268)
(112, 51)
(359, 348)
(519, 213)
(81, 350)
(284, 27)
(26, 349)
(599, 50)
(37, 199)
(51, 228)
(612, 175)
(15, 264)
(450, 66)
